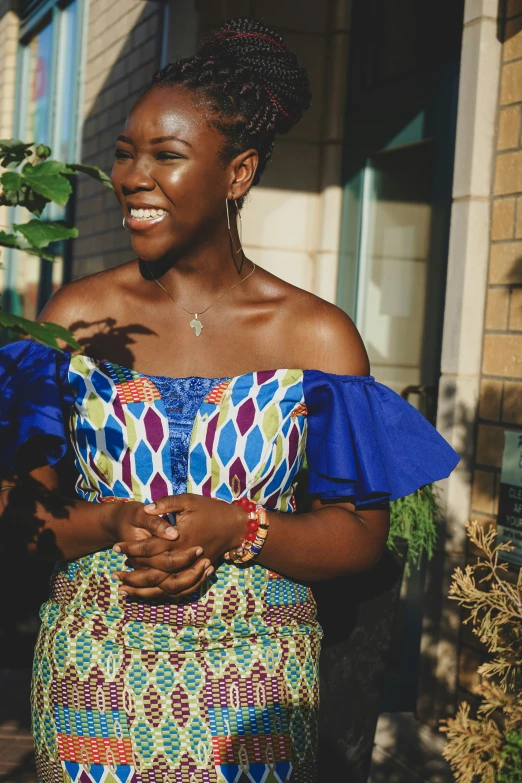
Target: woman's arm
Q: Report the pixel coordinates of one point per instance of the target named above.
(61, 528)
(330, 541)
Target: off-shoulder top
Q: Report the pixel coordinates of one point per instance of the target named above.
(243, 435)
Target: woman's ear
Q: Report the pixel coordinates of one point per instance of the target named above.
(243, 170)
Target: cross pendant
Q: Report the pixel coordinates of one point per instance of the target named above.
(196, 325)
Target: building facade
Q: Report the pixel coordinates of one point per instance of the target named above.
(399, 197)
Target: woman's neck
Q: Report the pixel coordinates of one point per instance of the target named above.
(211, 266)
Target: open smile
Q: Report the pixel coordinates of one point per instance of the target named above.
(143, 219)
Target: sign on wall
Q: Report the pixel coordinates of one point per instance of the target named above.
(509, 520)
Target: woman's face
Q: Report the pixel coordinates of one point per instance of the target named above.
(167, 162)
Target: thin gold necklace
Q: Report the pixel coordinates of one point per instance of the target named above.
(195, 322)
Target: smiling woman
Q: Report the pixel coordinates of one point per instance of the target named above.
(180, 641)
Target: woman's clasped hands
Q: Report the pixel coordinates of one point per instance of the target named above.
(170, 562)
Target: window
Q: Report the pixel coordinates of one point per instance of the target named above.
(48, 89)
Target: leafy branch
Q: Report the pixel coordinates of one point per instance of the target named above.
(31, 180)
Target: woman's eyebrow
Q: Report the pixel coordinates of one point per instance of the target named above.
(160, 139)
(157, 140)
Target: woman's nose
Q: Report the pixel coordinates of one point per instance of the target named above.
(136, 178)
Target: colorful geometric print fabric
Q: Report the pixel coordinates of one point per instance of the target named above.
(120, 433)
(108, 713)
(249, 437)
(222, 686)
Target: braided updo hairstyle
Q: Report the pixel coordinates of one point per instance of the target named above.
(254, 85)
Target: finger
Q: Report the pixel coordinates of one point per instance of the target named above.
(149, 547)
(158, 593)
(203, 579)
(157, 526)
(137, 563)
(146, 577)
(168, 504)
(171, 562)
(187, 580)
(153, 577)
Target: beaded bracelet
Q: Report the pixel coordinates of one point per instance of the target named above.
(257, 531)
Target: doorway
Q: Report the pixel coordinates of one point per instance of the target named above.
(397, 173)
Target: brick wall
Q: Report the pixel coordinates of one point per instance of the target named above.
(500, 404)
(123, 50)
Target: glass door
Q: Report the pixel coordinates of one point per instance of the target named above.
(398, 172)
(393, 262)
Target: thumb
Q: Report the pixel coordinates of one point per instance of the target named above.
(167, 505)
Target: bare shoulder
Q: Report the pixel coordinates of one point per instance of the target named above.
(80, 303)
(328, 338)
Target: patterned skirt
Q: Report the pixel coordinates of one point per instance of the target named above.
(105, 713)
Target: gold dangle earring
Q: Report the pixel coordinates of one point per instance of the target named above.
(240, 230)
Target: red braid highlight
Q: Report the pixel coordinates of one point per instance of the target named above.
(277, 104)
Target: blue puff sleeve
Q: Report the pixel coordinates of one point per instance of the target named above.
(366, 443)
(35, 400)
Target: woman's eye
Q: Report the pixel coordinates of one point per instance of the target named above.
(121, 154)
(168, 156)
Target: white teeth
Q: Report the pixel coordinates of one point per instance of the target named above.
(147, 214)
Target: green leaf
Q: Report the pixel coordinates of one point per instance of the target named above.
(48, 180)
(32, 200)
(24, 196)
(46, 333)
(11, 180)
(12, 183)
(40, 234)
(43, 151)
(92, 171)
(11, 240)
(13, 152)
(8, 240)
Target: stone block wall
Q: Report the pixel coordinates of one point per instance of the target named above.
(501, 383)
(500, 403)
